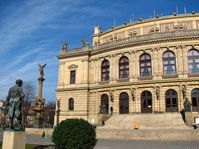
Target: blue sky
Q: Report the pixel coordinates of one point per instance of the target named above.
(32, 32)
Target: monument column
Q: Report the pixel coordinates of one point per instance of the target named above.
(40, 87)
(39, 103)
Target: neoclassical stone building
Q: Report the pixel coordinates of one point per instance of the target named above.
(149, 66)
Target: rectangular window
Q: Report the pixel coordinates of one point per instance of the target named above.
(72, 76)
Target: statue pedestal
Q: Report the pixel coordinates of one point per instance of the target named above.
(14, 140)
(39, 121)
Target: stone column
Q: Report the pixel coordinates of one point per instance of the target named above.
(40, 87)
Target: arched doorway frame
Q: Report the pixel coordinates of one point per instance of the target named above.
(124, 103)
(195, 99)
(104, 104)
(171, 100)
(146, 102)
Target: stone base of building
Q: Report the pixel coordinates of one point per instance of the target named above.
(190, 117)
(14, 140)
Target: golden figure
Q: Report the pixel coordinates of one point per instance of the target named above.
(41, 69)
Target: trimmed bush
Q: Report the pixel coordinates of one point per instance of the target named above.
(74, 134)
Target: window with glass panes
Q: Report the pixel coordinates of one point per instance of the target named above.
(124, 67)
(195, 99)
(72, 76)
(71, 104)
(169, 63)
(105, 70)
(145, 65)
(193, 61)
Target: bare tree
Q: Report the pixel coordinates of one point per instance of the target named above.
(50, 113)
(29, 91)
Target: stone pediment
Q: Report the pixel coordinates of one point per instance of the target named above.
(72, 66)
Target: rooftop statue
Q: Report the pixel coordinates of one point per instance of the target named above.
(14, 107)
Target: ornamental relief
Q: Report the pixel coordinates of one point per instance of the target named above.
(116, 36)
(72, 66)
(133, 32)
(186, 25)
(168, 27)
(148, 29)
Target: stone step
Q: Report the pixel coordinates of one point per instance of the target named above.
(146, 134)
(146, 121)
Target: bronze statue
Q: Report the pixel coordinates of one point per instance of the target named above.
(41, 69)
(14, 102)
(187, 105)
(84, 42)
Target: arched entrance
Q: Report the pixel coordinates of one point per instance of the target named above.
(104, 104)
(195, 100)
(124, 103)
(171, 101)
(146, 102)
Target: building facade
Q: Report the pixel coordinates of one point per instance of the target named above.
(149, 66)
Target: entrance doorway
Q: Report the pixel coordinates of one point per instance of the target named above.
(195, 100)
(104, 104)
(146, 102)
(171, 101)
(124, 103)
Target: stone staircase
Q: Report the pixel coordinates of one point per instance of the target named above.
(146, 121)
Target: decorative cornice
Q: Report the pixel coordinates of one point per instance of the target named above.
(147, 40)
(130, 84)
(135, 41)
(72, 89)
(146, 21)
(77, 54)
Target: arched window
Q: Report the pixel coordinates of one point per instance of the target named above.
(193, 61)
(169, 63)
(145, 65)
(195, 99)
(104, 104)
(124, 67)
(105, 70)
(171, 101)
(71, 104)
(146, 102)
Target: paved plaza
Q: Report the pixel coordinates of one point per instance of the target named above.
(120, 144)
(146, 144)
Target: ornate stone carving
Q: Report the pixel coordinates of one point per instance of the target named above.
(63, 49)
(72, 66)
(111, 95)
(133, 93)
(157, 92)
(168, 27)
(184, 91)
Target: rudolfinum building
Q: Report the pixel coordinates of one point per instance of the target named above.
(148, 66)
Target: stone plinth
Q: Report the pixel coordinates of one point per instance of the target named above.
(39, 121)
(14, 140)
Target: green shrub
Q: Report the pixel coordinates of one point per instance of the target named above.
(74, 134)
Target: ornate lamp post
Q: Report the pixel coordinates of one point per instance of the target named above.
(58, 110)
